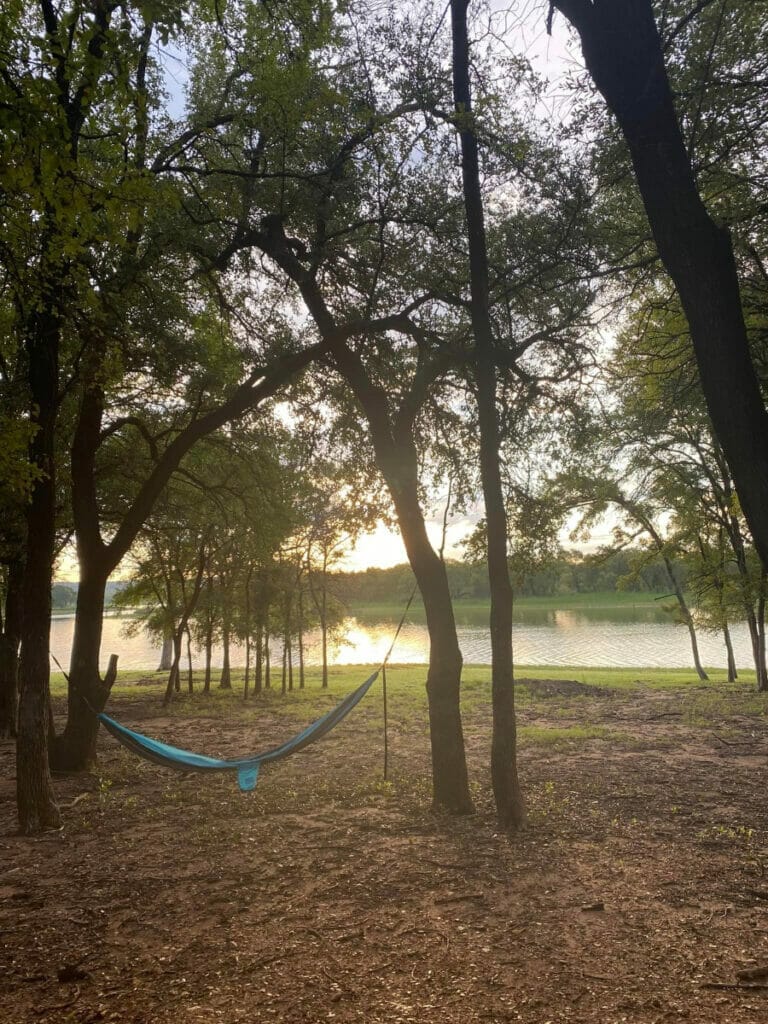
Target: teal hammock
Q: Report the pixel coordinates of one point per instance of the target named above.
(247, 768)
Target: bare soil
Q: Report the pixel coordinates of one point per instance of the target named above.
(636, 893)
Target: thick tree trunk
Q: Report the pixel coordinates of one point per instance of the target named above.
(760, 665)
(508, 796)
(449, 769)
(397, 458)
(623, 53)
(75, 749)
(36, 803)
(9, 649)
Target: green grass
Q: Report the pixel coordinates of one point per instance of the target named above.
(571, 736)
(406, 688)
(599, 599)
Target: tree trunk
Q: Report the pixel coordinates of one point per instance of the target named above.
(285, 667)
(247, 632)
(732, 673)
(324, 631)
(508, 796)
(449, 769)
(174, 683)
(9, 649)
(75, 749)
(166, 654)
(397, 458)
(685, 611)
(762, 670)
(247, 674)
(623, 53)
(267, 658)
(190, 677)
(225, 682)
(257, 670)
(300, 632)
(36, 803)
(208, 658)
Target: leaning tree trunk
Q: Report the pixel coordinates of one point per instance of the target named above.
(397, 458)
(75, 748)
(623, 53)
(685, 614)
(508, 796)
(450, 784)
(9, 649)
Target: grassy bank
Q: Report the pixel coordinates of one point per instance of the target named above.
(405, 685)
(556, 602)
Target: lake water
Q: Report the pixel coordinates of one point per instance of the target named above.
(624, 636)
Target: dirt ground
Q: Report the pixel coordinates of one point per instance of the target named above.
(637, 892)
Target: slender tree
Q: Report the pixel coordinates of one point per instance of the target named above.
(506, 786)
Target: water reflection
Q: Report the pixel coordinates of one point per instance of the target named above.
(600, 638)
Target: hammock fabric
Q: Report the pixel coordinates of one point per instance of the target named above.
(247, 768)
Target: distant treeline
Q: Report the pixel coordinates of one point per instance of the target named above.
(571, 574)
(64, 595)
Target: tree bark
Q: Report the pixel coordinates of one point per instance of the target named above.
(510, 808)
(450, 785)
(760, 665)
(36, 803)
(258, 667)
(623, 53)
(225, 683)
(166, 654)
(190, 675)
(300, 634)
(9, 648)
(267, 657)
(75, 748)
(732, 673)
(208, 658)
